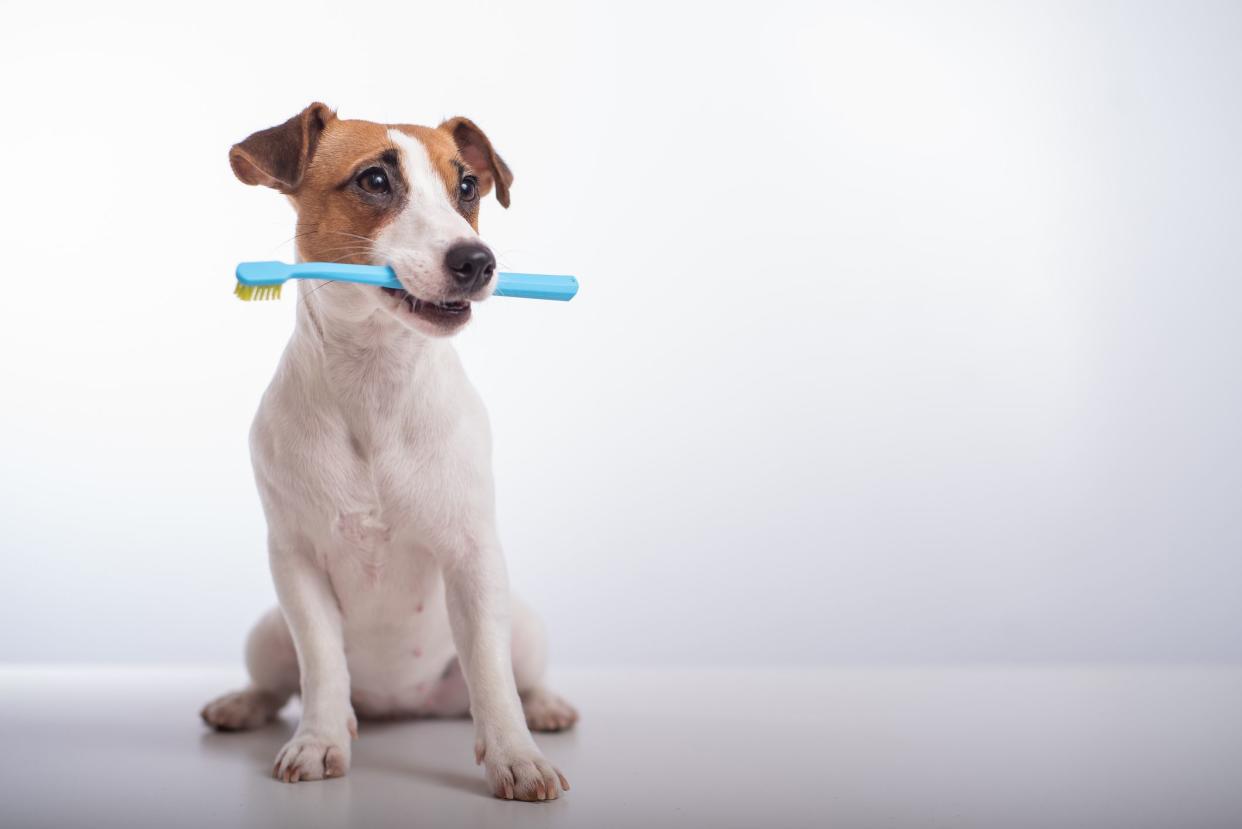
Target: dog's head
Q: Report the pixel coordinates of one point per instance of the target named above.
(386, 194)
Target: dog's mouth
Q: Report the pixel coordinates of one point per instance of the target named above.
(444, 314)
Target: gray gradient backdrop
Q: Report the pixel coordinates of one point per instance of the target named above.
(907, 333)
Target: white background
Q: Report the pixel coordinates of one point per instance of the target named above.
(907, 333)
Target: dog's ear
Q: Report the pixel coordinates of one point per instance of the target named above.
(278, 156)
(478, 154)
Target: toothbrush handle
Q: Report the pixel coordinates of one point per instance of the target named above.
(276, 273)
(380, 275)
(525, 285)
(536, 286)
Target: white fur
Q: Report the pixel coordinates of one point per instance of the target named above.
(372, 453)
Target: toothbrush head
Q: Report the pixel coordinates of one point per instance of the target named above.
(256, 292)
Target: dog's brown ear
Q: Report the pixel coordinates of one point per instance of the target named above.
(278, 156)
(478, 154)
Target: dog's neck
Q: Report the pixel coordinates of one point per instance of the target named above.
(369, 364)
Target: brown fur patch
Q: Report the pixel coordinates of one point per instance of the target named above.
(315, 157)
(334, 225)
(476, 150)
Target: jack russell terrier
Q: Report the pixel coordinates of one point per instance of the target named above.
(372, 454)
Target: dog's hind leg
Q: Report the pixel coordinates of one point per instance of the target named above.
(544, 710)
(273, 666)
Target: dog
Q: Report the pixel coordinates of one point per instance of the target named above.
(371, 451)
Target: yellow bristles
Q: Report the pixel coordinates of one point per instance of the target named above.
(249, 292)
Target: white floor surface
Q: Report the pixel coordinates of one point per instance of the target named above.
(1071, 746)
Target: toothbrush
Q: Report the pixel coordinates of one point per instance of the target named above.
(262, 280)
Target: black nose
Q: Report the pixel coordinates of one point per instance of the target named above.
(471, 264)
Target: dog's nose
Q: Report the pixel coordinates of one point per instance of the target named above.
(471, 264)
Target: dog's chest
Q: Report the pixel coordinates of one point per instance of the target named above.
(407, 484)
(381, 560)
(400, 471)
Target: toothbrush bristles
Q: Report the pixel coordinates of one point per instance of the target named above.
(256, 292)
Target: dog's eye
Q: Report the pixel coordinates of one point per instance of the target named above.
(373, 180)
(468, 190)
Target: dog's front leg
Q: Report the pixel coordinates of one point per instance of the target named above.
(320, 747)
(478, 604)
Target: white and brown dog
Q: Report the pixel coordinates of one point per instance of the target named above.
(372, 455)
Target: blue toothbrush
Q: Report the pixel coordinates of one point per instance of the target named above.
(262, 280)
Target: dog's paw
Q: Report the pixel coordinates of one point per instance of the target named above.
(311, 756)
(545, 711)
(241, 710)
(520, 772)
